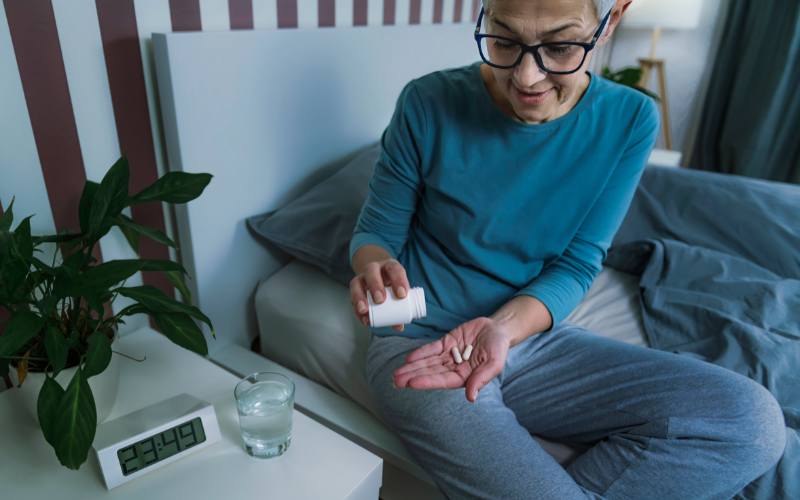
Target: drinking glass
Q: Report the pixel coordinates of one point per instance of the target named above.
(265, 401)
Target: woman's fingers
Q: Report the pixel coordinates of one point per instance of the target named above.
(418, 365)
(358, 298)
(403, 379)
(358, 295)
(374, 282)
(479, 377)
(442, 380)
(395, 274)
(432, 349)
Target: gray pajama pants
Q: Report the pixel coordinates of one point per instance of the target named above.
(660, 426)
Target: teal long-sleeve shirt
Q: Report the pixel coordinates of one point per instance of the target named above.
(480, 208)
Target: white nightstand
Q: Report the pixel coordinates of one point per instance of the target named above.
(665, 158)
(320, 464)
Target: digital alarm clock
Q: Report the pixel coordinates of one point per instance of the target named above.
(148, 439)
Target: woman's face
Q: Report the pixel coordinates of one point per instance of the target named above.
(532, 95)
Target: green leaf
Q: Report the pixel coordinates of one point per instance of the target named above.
(174, 187)
(127, 226)
(85, 205)
(131, 235)
(178, 282)
(156, 301)
(182, 330)
(108, 274)
(13, 273)
(46, 407)
(5, 252)
(57, 348)
(132, 309)
(109, 199)
(97, 300)
(22, 243)
(6, 237)
(629, 76)
(16, 256)
(43, 267)
(56, 238)
(74, 262)
(4, 366)
(21, 328)
(162, 265)
(98, 354)
(8, 217)
(74, 428)
(66, 283)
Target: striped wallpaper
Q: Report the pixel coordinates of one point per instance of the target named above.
(78, 90)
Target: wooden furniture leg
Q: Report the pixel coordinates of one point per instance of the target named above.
(647, 65)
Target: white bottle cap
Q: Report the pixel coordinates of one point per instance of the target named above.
(418, 296)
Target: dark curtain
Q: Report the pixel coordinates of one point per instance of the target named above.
(750, 122)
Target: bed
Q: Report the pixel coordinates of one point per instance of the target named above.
(272, 114)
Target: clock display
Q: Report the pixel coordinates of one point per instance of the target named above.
(159, 446)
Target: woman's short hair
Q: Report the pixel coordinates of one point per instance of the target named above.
(601, 6)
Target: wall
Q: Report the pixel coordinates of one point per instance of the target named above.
(78, 90)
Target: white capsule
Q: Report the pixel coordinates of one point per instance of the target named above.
(467, 352)
(456, 355)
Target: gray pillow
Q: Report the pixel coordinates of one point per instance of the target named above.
(317, 226)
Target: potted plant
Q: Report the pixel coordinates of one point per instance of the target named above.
(56, 315)
(629, 76)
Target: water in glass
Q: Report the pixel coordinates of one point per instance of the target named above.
(265, 418)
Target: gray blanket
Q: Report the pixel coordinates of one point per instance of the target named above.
(719, 260)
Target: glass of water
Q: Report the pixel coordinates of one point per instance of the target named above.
(265, 401)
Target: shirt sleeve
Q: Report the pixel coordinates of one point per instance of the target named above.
(395, 186)
(562, 284)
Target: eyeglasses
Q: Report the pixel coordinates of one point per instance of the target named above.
(559, 58)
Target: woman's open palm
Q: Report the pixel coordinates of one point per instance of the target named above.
(432, 366)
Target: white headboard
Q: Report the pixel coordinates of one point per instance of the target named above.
(265, 112)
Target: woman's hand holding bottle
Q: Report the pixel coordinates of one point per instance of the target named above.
(373, 275)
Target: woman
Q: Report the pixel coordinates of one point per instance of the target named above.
(499, 189)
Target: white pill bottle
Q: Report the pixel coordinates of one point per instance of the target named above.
(397, 311)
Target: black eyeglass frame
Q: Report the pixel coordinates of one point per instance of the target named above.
(534, 49)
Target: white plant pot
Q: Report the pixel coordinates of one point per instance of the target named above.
(104, 387)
